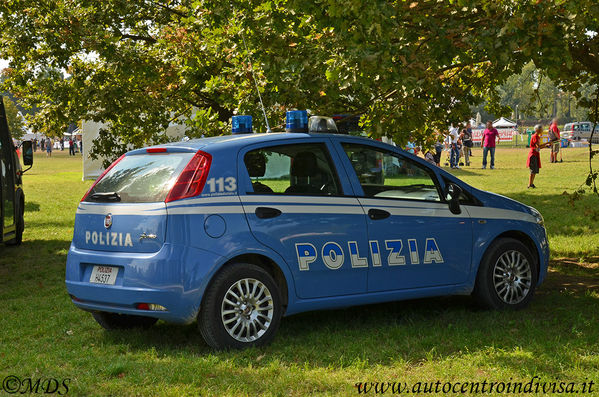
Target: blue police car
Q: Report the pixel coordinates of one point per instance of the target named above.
(237, 231)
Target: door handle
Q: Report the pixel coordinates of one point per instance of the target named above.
(375, 213)
(267, 212)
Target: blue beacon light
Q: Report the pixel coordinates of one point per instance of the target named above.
(297, 121)
(241, 125)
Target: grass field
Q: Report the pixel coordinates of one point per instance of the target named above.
(43, 336)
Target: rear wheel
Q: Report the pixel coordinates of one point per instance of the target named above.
(241, 308)
(507, 276)
(112, 321)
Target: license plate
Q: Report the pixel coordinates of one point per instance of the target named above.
(104, 275)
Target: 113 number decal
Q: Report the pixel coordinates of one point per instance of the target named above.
(220, 185)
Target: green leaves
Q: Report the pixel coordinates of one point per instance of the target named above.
(16, 125)
(409, 68)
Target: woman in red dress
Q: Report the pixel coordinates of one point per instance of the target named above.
(534, 159)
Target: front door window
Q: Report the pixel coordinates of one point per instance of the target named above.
(387, 175)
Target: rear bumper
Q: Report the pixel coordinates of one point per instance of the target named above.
(121, 298)
(174, 277)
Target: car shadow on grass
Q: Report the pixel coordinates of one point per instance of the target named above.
(564, 216)
(31, 206)
(32, 253)
(24, 268)
(558, 326)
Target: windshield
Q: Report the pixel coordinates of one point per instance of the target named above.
(140, 178)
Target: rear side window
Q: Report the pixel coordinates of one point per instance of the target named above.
(142, 178)
(298, 169)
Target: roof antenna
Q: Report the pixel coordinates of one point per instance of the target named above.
(247, 52)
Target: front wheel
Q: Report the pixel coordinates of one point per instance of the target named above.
(241, 308)
(507, 276)
(19, 228)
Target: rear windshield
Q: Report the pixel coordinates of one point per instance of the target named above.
(142, 178)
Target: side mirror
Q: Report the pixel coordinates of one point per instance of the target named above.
(452, 195)
(27, 148)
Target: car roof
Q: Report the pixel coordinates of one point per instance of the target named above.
(240, 140)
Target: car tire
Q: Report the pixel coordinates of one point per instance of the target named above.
(507, 276)
(19, 228)
(112, 321)
(241, 308)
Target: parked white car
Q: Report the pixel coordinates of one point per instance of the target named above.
(580, 130)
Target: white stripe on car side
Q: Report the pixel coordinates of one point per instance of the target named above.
(298, 205)
(314, 209)
(410, 208)
(298, 199)
(122, 209)
(209, 209)
(205, 200)
(390, 203)
(499, 213)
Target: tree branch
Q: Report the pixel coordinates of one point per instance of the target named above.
(583, 54)
(224, 114)
(169, 9)
(135, 37)
(463, 64)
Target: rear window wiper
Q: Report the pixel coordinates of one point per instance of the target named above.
(108, 196)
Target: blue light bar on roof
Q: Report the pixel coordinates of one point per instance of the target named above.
(241, 124)
(297, 121)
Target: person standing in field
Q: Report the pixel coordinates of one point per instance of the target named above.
(533, 162)
(438, 152)
(469, 131)
(48, 147)
(466, 137)
(430, 157)
(455, 151)
(490, 136)
(554, 138)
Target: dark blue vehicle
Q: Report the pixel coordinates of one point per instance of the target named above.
(237, 231)
(12, 197)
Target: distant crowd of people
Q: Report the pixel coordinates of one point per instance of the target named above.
(47, 145)
(458, 144)
(461, 144)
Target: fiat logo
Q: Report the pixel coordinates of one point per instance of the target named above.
(108, 221)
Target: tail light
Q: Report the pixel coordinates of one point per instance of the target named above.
(150, 306)
(191, 181)
(102, 176)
